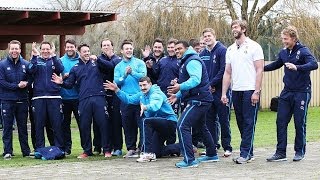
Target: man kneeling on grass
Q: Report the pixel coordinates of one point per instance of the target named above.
(159, 121)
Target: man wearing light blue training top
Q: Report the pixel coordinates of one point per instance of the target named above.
(126, 75)
(160, 120)
(193, 88)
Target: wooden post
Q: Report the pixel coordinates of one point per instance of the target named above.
(23, 50)
(62, 39)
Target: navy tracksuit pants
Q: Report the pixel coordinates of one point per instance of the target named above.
(69, 106)
(131, 121)
(156, 131)
(246, 116)
(93, 108)
(296, 104)
(194, 116)
(114, 128)
(48, 109)
(9, 111)
(218, 120)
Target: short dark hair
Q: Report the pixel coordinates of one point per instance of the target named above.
(146, 78)
(14, 42)
(184, 43)
(82, 45)
(158, 40)
(106, 39)
(71, 41)
(194, 42)
(172, 40)
(45, 42)
(126, 41)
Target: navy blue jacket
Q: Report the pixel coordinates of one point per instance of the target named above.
(42, 70)
(10, 76)
(215, 61)
(201, 91)
(300, 55)
(87, 77)
(151, 72)
(166, 70)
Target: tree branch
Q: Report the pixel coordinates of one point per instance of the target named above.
(232, 12)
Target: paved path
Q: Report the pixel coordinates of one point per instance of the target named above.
(309, 168)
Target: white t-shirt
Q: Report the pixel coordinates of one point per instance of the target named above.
(241, 60)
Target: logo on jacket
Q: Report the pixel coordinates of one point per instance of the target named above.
(53, 67)
(8, 68)
(214, 59)
(298, 55)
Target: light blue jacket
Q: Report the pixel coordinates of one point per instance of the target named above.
(68, 63)
(155, 100)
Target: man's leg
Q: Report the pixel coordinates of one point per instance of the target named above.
(55, 114)
(116, 123)
(85, 114)
(130, 126)
(21, 118)
(39, 108)
(7, 115)
(67, 111)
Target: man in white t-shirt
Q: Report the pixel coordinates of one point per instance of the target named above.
(244, 63)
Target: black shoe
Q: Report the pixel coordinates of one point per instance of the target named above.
(298, 157)
(277, 158)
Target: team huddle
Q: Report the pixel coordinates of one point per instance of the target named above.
(189, 93)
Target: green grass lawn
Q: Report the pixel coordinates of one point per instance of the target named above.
(265, 136)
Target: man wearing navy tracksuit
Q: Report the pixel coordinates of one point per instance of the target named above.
(214, 58)
(193, 86)
(115, 129)
(46, 101)
(92, 104)
(14, 98)
(127, 74)
(159, 123)
(70, 97)
(294, 99)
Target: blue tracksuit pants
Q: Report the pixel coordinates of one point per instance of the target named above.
(9, 111)
(156, 131)
(48, 109)
(194, 116)
(246, 116)
(131, 121)
(218, 120)
(93, 108)
(296, 104)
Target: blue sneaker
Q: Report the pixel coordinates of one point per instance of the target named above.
(208, 159)
(117, 153)
(183, 164)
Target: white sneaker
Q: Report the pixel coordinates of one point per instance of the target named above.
(227, 153)
(7, 157)
(147, 157)
(131, 154)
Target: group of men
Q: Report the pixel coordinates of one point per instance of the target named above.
(187, 92)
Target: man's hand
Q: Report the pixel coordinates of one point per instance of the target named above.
(23, 84)
(110, 86)
(255, 98)
(35, 51)
(172, 99)
(56, 79)
(174, 81)
(93, 57)
(149, 63)
(142, 109)
(146, 51)
(291, 66)
(173, 89)
(224, 99)
(128, 70)
(212, 89)
(65, 75)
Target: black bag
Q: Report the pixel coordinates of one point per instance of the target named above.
(274, 104)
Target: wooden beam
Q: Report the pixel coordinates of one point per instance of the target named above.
(62, 44)
(43, 19)
(73, 20)
(22, 39)
(41, 29)
(3, 46)
(16, 18)
(101, 19)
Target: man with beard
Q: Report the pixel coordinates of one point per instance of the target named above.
(244, 64)
(92, 104)
(14, 99)
(152, 59)
(115, 129)
(193, 88)
(126, 75)
(294, 99)
(70, 97)
(214, 58)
